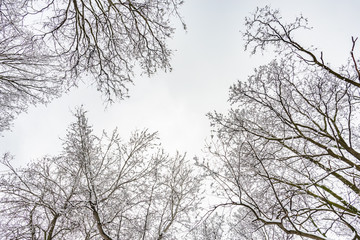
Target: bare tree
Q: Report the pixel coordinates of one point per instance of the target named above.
(287, 156)
(100, 188)
(36, 201)
(47, 46)
(26, 74)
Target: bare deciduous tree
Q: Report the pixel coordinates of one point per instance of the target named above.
(47, 46)
(99, 188)
(287, 156)
(35, 201)
(27, 75)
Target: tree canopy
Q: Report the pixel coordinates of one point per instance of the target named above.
(287, 157)
(282, 163)
(100, 188)
(46, 47)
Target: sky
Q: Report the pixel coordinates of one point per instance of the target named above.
(208, 58)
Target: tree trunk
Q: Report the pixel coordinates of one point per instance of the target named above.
(98, 222)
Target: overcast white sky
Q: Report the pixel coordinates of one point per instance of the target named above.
(208, 58)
